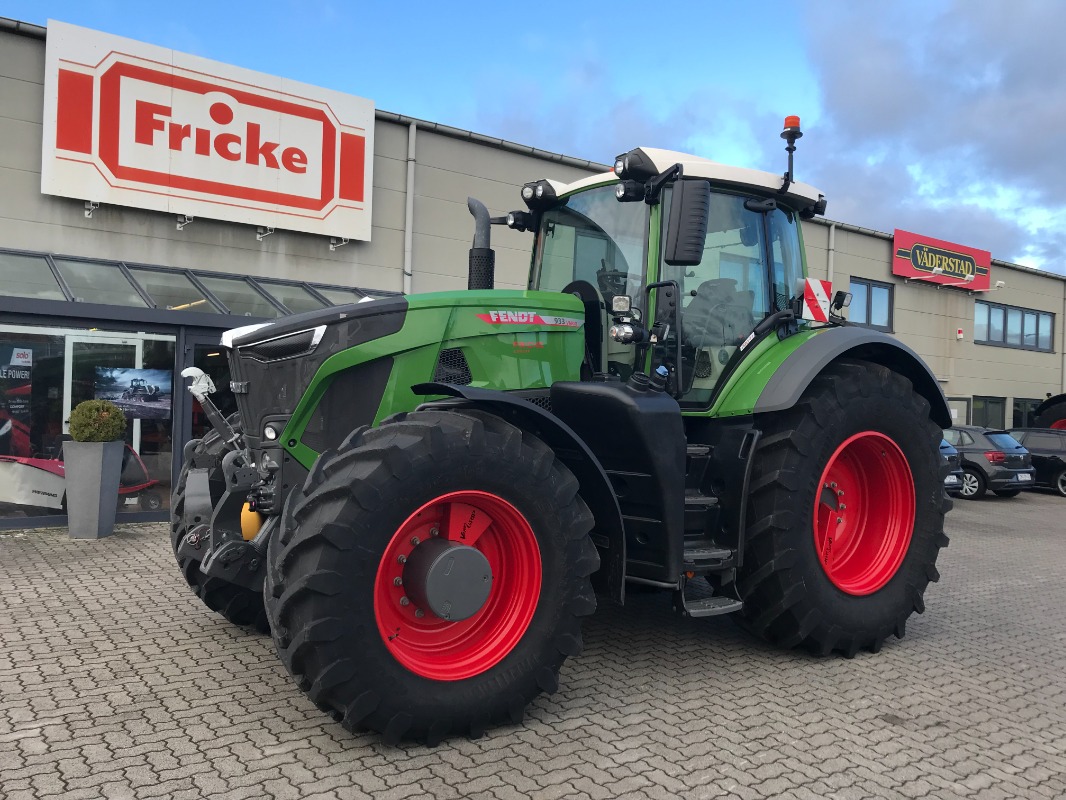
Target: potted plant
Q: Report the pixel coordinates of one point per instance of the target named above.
(93, 466)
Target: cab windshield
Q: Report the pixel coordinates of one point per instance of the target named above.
(750, 263)
(592, 237)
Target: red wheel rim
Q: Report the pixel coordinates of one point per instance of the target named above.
(453, 650)
(1059, 425)
(864, 513)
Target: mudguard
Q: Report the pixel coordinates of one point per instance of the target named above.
(1048, 403)
(569, 448)
(795, 374)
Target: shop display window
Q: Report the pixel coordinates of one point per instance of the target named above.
(44, 373)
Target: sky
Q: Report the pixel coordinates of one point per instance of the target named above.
(942, 117)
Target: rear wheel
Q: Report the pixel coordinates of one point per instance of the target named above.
(1053, 416)
(1060, 483)
(846, 514)
(239, 605)
(1006, 492)
(431, 576)
(973, 484)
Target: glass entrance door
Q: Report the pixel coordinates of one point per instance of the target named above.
(205, 352)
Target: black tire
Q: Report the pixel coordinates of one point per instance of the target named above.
(789, 598)
(1050, 415)
(323, 565)
(1006, 492)
(974, 485)
(150, 501)
(238, 605)
(1059, 484)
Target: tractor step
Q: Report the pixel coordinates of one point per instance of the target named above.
(708, 606)
(708, 556)
(697, 457)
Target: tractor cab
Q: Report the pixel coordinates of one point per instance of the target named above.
(673, 252)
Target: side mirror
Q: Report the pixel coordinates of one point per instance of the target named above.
(686, 230)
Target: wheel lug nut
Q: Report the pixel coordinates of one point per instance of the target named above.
(840, 493)
(843, 507)
(414, 540)
(397, 581)
(419, 613)
(404, 601)
(434, 531)
(833, 484)
(402, 559)
(839, 520)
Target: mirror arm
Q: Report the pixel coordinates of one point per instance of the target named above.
(654, 187)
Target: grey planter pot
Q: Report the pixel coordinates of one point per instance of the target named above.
(92, 472)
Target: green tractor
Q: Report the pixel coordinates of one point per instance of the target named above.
(419, 494)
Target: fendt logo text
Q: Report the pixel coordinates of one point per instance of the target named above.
(135, 125)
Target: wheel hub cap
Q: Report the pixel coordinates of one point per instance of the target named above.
(450, 580)
(457, 585)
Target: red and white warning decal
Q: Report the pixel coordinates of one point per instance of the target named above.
(516, 317)
(816, 300)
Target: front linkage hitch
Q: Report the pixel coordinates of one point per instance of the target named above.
(214, 537)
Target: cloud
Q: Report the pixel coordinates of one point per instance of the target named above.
(944, 119)
(939, 116)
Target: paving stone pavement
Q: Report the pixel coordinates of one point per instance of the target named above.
(116, 683)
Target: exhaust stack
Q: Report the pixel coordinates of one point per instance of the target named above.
(482, 270)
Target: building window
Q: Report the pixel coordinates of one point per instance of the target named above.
(871, 304)
(989, 412)
(1024, 412)
(1008, 326)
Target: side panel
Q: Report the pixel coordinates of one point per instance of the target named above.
(745, 385)
(509, 340)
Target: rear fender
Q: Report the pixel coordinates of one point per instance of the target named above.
(810, 359)
(569, 448)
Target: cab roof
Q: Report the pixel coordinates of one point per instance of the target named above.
(800, 195)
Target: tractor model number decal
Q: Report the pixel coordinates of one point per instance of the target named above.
(506, 317)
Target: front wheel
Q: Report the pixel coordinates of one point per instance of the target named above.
(846, 514)
(1060, 483)
(973, 485)
(431, 576)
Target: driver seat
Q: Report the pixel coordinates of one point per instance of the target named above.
(718, 315)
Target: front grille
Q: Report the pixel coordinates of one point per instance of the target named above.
(544, 402)
(453, 368)
(288, 346)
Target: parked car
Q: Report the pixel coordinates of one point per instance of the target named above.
(991, 460)
(1048, 450)
(953, 480)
